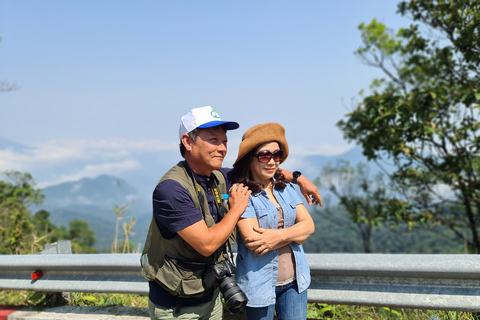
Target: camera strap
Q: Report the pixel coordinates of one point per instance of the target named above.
(218, 200)
(221, 212)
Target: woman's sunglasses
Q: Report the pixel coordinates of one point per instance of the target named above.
(265, 156)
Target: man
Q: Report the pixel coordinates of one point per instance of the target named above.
(196, 206)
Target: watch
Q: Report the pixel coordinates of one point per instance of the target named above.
(296, 175)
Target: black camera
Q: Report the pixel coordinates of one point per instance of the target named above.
(224, 273)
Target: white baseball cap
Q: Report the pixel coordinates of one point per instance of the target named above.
(204, 117)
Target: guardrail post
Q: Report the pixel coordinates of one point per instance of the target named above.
(61, 247)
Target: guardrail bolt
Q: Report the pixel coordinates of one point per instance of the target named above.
(37, 274)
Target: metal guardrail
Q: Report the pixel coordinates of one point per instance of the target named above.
(440, 282)
(113, 273)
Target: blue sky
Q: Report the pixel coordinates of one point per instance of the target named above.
(101, 81)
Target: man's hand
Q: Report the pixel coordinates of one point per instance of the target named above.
(238, 197)
(309, 191)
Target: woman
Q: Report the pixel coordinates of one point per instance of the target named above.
(272, 268)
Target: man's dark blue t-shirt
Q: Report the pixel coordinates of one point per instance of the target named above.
(174, 210)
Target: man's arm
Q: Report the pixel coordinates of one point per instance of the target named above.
(207, 240)
(307, 188)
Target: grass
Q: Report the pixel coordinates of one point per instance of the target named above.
(31, 298)
(325, 311)
(315, 311)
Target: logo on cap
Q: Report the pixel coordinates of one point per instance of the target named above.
(215, 114)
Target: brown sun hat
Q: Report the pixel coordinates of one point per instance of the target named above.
(260, 134)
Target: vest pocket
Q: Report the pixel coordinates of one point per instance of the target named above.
(181, 278)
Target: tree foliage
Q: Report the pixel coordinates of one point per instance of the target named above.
(423, 115)
(368, 200)
(83, 238)
(17, 193)
(22, 233)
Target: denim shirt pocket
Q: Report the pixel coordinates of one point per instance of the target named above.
(263, 219)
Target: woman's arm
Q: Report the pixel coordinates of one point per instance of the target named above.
(261, 240)
(303, 226)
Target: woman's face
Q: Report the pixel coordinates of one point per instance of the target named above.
(263, 172)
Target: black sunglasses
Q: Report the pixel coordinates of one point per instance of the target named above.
(265, 156)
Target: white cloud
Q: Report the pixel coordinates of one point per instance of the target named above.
(10, 160)
(85, 149)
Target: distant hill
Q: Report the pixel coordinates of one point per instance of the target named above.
(91, 200)
(104, 189)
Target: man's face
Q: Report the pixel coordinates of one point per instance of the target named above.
(209, 150)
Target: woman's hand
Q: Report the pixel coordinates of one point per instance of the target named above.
(264, 240)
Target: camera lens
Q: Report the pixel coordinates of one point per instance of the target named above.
(234, 297)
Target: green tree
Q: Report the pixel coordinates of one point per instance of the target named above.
(368, 201)
(423, 116)
(83, 238)
(44, 231)
(17, 193)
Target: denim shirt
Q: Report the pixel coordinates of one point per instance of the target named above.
(257, 275)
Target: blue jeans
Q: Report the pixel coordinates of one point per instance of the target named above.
(290, 305)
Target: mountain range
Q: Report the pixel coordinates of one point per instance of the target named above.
(92, 199)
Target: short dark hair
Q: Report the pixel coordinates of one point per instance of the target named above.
(192, 135)
(243, 174)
